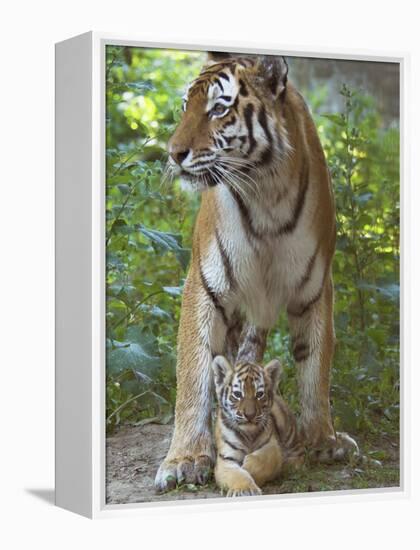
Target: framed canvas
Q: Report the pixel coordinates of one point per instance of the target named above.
(228, 253)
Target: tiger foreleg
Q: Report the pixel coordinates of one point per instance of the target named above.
(313, 339)
(202, 330)
(265, 464)
(233, 479)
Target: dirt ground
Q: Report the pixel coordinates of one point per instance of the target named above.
(134, 455)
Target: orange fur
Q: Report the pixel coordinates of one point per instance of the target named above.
(264, 240)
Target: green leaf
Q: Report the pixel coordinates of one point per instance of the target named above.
(337, 119)
(167, 241)
(124, 188)
(137, 354)
(363, 198)
(391, 291)
(173, 290)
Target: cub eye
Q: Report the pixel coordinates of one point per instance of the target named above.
(237, 394)
(219, 110)
(259, 394)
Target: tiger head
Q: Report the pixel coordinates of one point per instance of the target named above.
(232, 122)
(245, 391)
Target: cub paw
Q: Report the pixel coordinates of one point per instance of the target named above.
(244, 492)
(194, 470)
(242, 487)
(341, 448)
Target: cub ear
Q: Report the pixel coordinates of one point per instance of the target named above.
(273, 370)
(274, 70)
(221, 370)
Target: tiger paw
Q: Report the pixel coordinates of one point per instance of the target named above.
(242, 488)
(188, 469)
(340, 448)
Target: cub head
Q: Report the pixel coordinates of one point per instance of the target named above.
(245, 391)
(231, 124)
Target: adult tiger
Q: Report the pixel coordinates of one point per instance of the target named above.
(264, 240)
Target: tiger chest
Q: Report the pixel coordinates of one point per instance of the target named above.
(261, 274)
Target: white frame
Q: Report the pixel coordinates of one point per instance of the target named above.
(80, 278)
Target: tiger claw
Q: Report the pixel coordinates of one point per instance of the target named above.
(183, 471)
(339, 449)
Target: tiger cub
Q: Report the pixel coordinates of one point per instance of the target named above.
(256, 433)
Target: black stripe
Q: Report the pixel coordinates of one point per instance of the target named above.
(213, 70)
(299, 312)
(212, 295)
(242, 88)
(225, 394)
(220, 84)
(223, 75)
(248, 112)
(266, 157)
(226, 262)
(230, 425)
(234, 447)
(309, 268)
(301, 351)
(264, 443)
(276, 429)
(200, 163)
(229, 122)
(234, 105)
(242, 369)
(262, 119)
(231, 459)
(267, 154)
(290, 226)
(290, 434)
(244, 212)
(225, 97)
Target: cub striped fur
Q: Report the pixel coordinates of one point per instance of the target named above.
(256, 433)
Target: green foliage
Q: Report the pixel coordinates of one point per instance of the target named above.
(363, 158)
(149, 230)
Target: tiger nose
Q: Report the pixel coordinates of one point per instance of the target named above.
(249, 414)
(179, 156)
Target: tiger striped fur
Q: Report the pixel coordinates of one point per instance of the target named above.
(263, 242)
(256, 433)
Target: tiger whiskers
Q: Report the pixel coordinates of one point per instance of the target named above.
(168, 176)
(237, 170)
(218, 174)
(241, 162)
(239, 165)
(239, 179)
(228, 178)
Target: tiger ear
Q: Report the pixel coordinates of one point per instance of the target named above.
(216, 57)
(274, 70)
(273, 370)
(221, 370)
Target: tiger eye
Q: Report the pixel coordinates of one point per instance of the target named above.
(218, 109)
(237, 394)
(259, 394)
